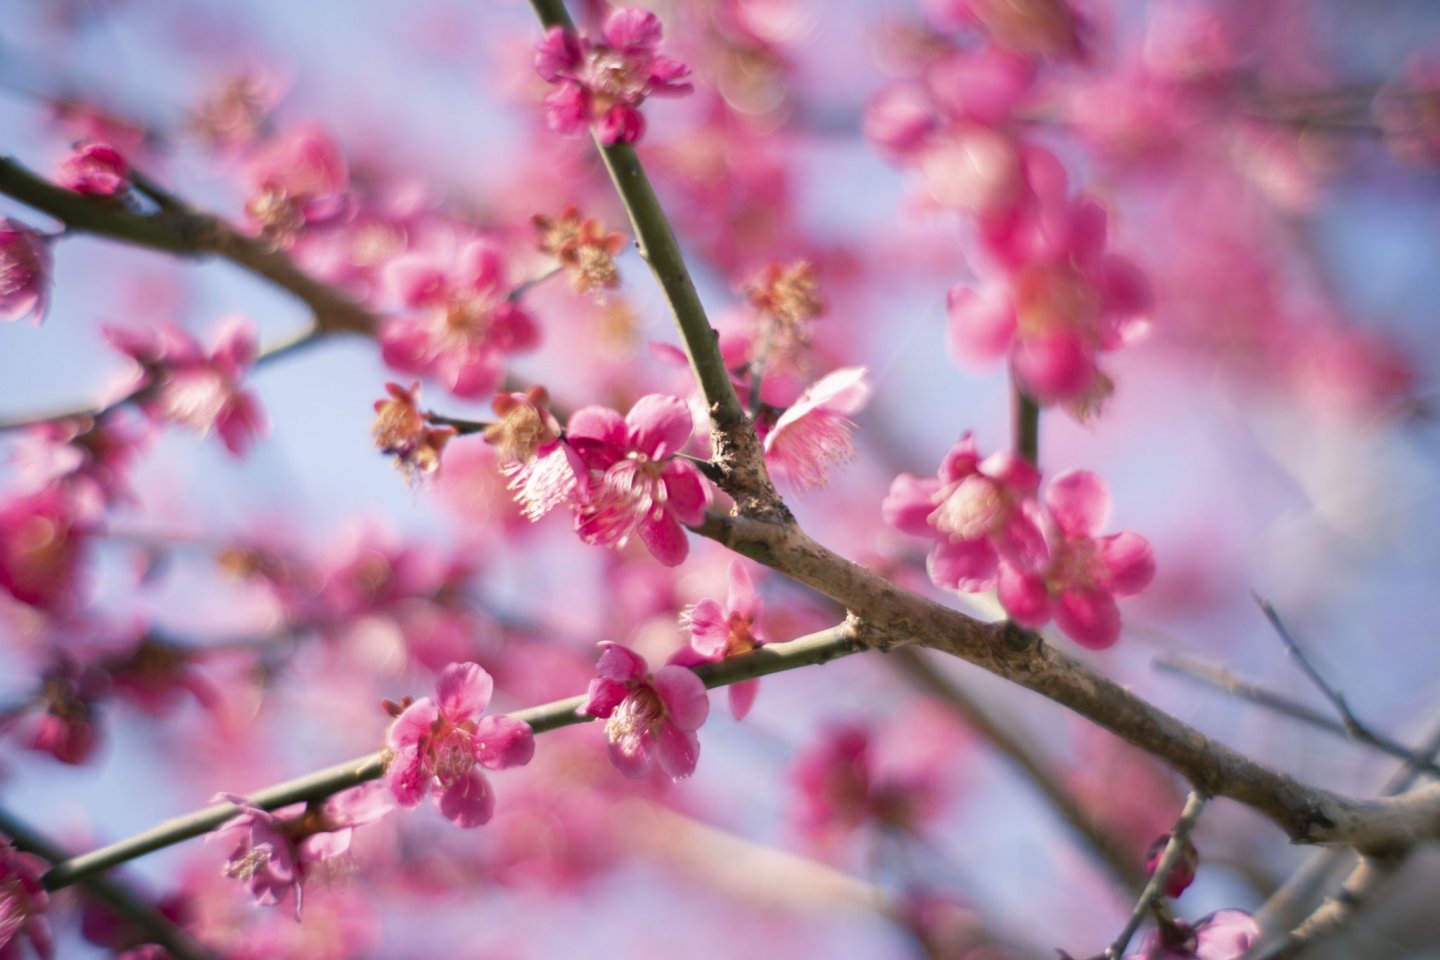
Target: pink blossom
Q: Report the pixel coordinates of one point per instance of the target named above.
(90, 456)
(23, 902)
(975, 512)
(441, 741)
(717, 632)
(96, 170)
(186, 385)
(400, 430)
(1084, 573)
(274, 852)
(42, 539)
(1183, 875)
(298, 178)
(25, 270)
(464, 322)
(1223, 935)
(544, 471)
(649, 717)
(605, 83)
(840, 789)
(637, 484)
(814, 432)
(68, 726)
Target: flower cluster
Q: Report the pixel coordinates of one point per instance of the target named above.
(180, 382)
(462, 322)
(442, 742)
(648, 717)
(1046, 556)
(605, 83)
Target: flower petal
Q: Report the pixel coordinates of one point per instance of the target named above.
(464, 690)
(909, 504)
(709, 629)
(1089, 617)
(678, 751)
(502, 742)
(468, 802)
(685, 697)
(413, 725)
(1130, 561)
(620, 663)
(965, 565)
(1024, 596)
(1079, 502)
(659, 425)
(742, 697)
(665, 539)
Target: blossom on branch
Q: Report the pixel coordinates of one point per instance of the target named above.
(718, 632)
(583, 247)
(96, 170)
(544, 471)
(443, 741)
(605, 83)
(637, 484)
(814, 432)
(182, 383)
(649, 717)
(25, 272)
(401, 431)
(1224, 935)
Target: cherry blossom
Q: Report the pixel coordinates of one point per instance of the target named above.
(1083, 573)
(637, 484)
(974, 510)
(605, 83)
(463, 323)
(440, 742)
(648, 717)
(25, 272)
(718, 631)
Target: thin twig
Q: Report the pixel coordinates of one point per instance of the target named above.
(1223, 679)
(1174, 850)
(1027, 426)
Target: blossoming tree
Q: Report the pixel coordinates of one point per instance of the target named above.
(716, 341)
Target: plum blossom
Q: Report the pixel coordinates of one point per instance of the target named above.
(274, 852)
(637, 484)
(1183, 875)
(96, 170)
(25, 270)
(23, 902)
(204, 391)
(605, 83)
(1223, 935)
(814, 432)
(544, 471)
(1083, 572)
(649, 717)
(463, 322)
(717, 632)
(583, 247)
(43, 537)
(974, 510)
(400, 430)
(440, 742)
(839, 788)
(297, 178)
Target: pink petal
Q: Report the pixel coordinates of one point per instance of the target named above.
(967, 565)
(1226, 935)
(1130, 562)
(840, 391)
(686, 700)
(416, 281)
(567, 109)
(908, 505)
(665, 539)
(686, 495)
(620, 663)
(709, 629)
(1054, 366)
(981, 323)
(632, 29)
(742, 599)
(405, 346)
(480, 266)
(502, 742)
(355, 808)
(471, 372)
(1089, 617)
(413, 725)
(240, 421)
(899, 119)
(742, 697)
(620, 124)
(468, 802)
(1079, 502)
(678, 751)
(512, 330)
(633, 756)
(603, 696)
(406, 777)
(1024, 596)
(960, 461)
(659, 425)
(324, 846)
(464, 690)
(598, 435)
(558, 54)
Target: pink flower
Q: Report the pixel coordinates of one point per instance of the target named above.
(42, 539)
(1184, 873)
(23, 902)
(814, 432)
(68, 728)
(544, 471)
(298, 178)
(96, 170)
(188, 386)
(649, 717)
(1083, 574)
(1224, 935)
(605, 83)
(25, 269)
(274, 851)
(717, 632)
(840, 789)
(637, 483)
(441, 741)
(464, 325)
(400, 430)
(975, 512)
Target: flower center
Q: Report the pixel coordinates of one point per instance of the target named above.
(974, 508)
(635, 718)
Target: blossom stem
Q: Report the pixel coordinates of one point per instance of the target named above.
(1174, 850)
(462, 427)
(1027, 427)
(841, 640)
(113, 894)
